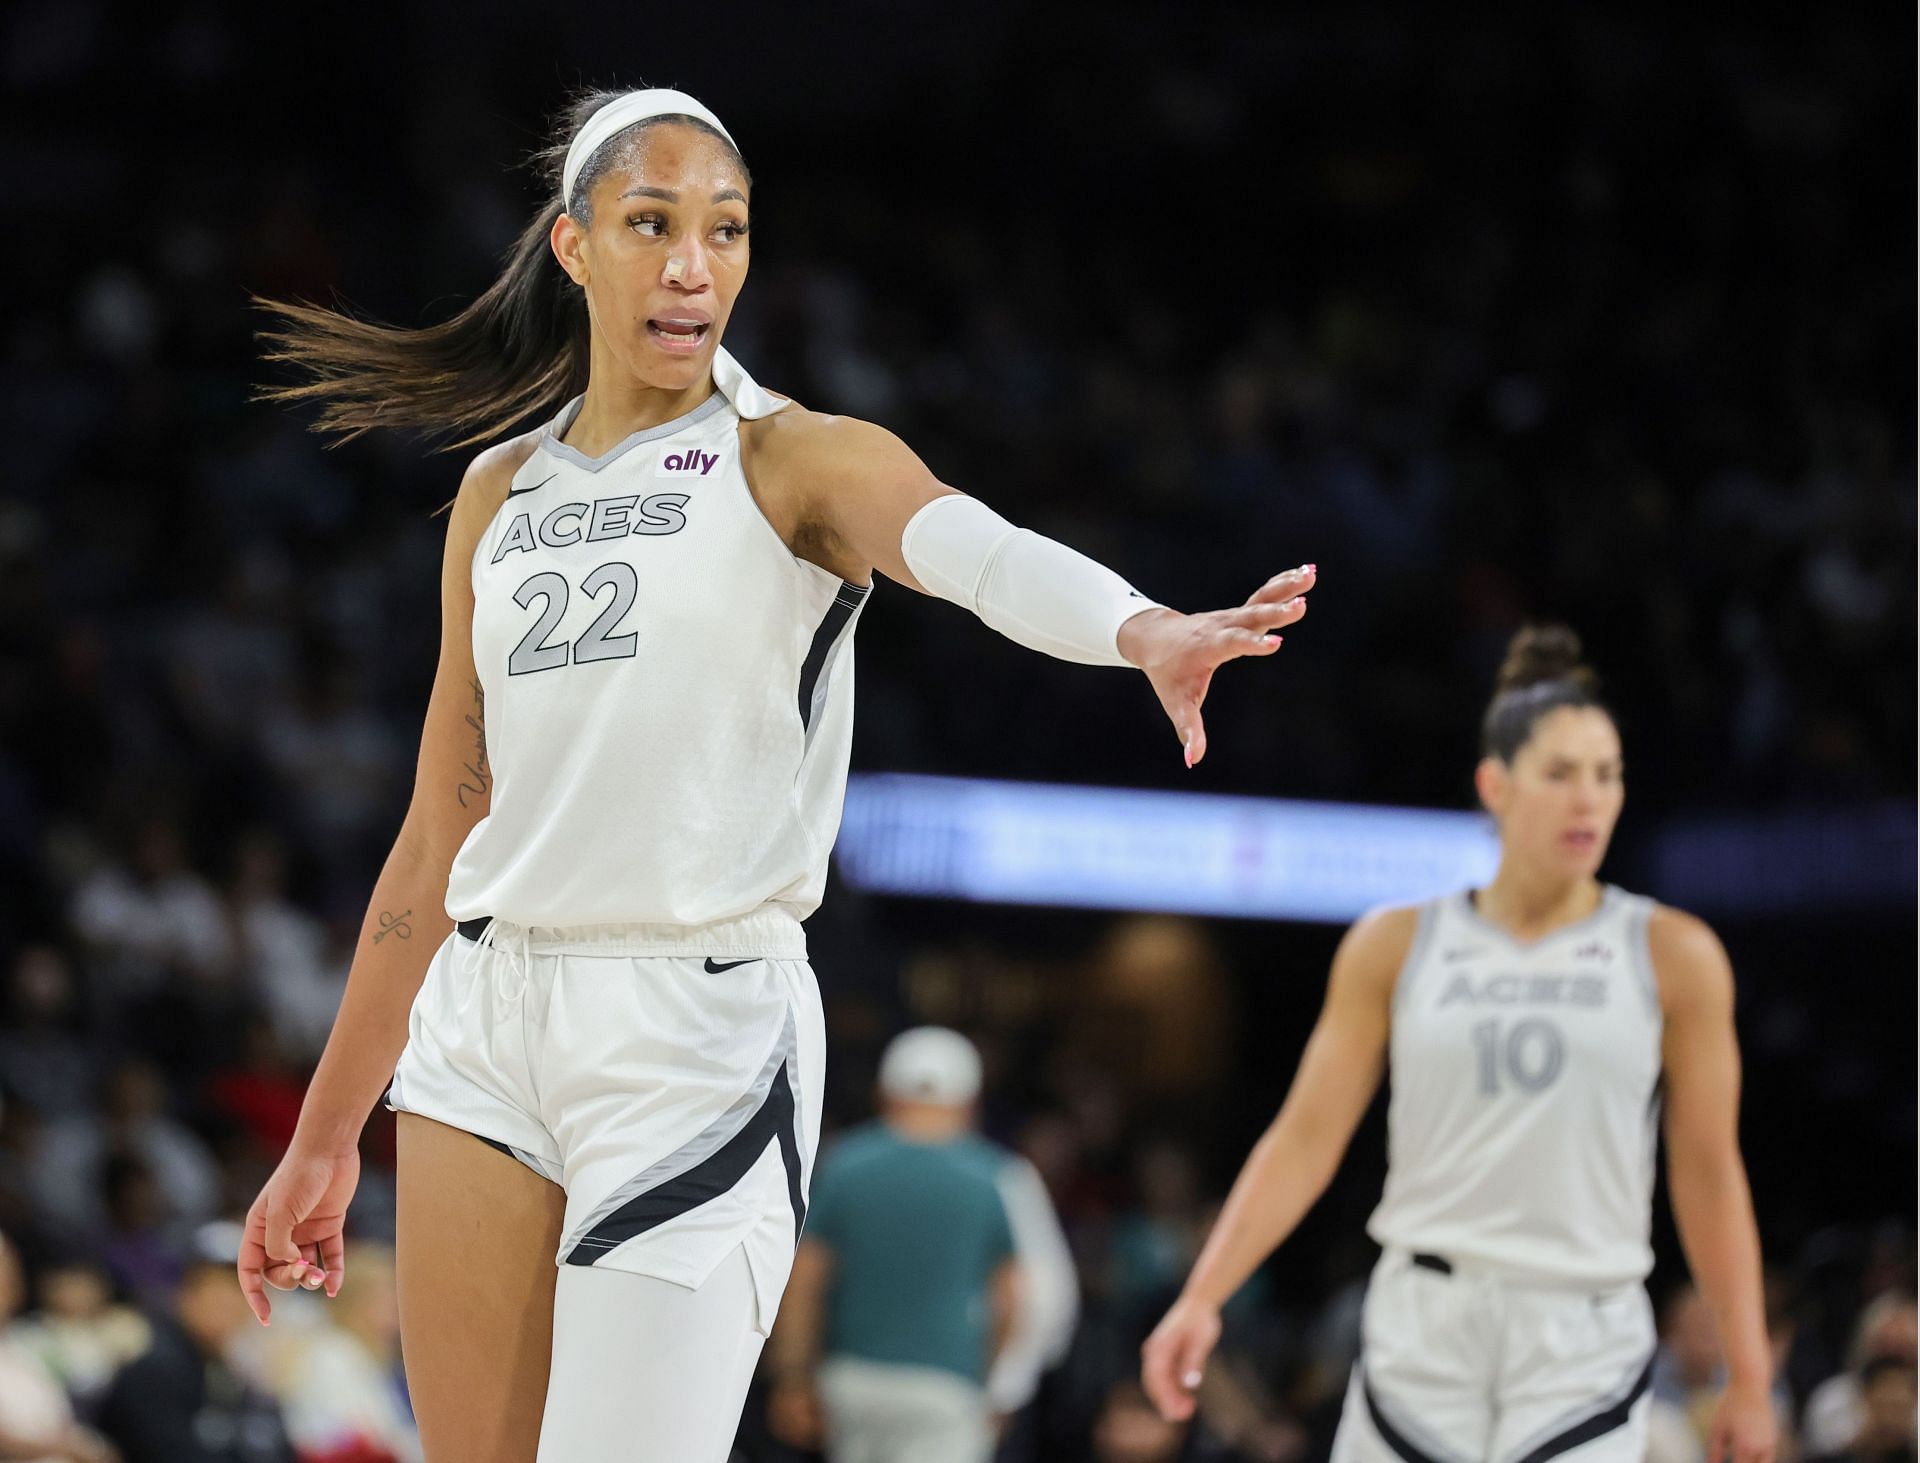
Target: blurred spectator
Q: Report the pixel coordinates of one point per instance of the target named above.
(36, 1418)
(80, 1332)
(1688, 1372)
(144, 1245)
(908, 1286)
(152, 918)
(46, 1056)
(283, 949)
(181, 1400)
(1835, 1413)
(335, 1368)
(1130, 1430)
(261, 1091)
(134, 1122)
(1885, 1433)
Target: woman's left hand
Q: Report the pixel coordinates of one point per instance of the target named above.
(1744, 1427)
(1180, 652)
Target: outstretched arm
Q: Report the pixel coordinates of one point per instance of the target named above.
(1294, 1161)
(862, 500)
(1706, 1176)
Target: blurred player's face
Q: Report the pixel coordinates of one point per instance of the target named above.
(1558, 800)
(664, 257)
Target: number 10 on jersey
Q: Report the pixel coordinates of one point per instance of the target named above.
(1527, 1054)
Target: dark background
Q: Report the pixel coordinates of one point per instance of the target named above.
(1572, 314)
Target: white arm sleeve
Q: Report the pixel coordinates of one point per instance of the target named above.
(1049, 1289)
(1035, 591)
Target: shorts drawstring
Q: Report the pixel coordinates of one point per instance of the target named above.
(510, 973)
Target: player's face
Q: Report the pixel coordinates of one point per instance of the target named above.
(665, 256)
(1558, 800)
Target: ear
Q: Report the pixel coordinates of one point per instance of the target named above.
(1492, 781)
(569, 243)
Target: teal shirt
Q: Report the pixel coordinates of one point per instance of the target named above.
(917, 1231)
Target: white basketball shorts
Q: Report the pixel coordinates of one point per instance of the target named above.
(668, 1078)
(1459, 1364)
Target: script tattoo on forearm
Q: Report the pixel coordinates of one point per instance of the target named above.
(478, 780)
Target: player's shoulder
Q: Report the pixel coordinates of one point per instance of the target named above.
(490, 473)
(486, 481)
(1373, 951)
(800, 443)
(1683, 946)
(1385, 934)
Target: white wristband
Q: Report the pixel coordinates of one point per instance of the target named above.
(1040, 593)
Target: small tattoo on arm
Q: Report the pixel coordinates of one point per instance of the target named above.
(394, 924)
(479, 776)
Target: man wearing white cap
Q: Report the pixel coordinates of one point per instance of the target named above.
(934, 1284)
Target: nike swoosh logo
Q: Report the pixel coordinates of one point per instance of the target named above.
(714, 967)
(516, 492)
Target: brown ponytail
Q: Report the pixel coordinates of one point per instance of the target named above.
(519, 349)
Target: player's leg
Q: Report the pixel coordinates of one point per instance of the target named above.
(647, 1371)
(477, 1230)
(1575, 1378)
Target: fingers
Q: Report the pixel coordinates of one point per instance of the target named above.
(1267, 615)
(278, 1238)
(1286, 586)
(1193, 737)
(1157, 1378)
(333, 1258)
(252, 1262)
(1192, 1360)
(252, 1285)
(1718, 1443)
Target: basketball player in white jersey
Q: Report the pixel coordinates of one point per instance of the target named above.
(582, 981)
(1533, 1031)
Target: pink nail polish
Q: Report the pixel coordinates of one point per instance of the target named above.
(1310, 568)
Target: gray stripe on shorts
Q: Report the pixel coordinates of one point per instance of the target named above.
(707, 1145)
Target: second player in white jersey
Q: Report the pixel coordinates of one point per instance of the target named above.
(1524, 1080)
(1531, 1032)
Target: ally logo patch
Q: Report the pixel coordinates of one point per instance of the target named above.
(688, 464)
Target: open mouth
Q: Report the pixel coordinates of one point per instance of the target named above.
(684, 335)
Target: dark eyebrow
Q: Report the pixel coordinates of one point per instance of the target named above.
(666, 195)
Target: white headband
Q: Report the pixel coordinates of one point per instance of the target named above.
(617, 116)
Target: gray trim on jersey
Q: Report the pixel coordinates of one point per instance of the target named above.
(1611, 897)
(837, 626)
(702, 1146)
(1607, 1413)
(1640, 949)
(1423, 931)
(552, 443)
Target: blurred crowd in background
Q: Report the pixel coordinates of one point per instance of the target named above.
(1600, 319)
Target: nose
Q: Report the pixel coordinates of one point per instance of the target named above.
(688, 266)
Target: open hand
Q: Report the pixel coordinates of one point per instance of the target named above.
(1180, 652)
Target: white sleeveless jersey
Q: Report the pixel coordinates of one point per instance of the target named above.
(1524, 1111)
(669, 691)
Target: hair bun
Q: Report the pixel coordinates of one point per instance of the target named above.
(1545, 653)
